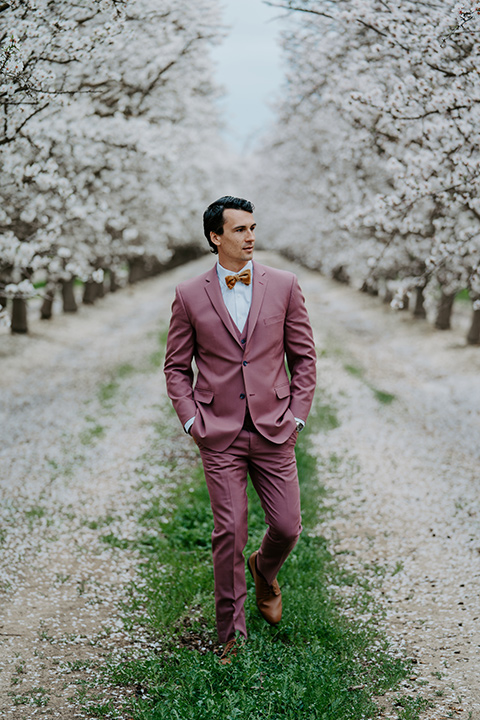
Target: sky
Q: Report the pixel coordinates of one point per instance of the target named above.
(249, 68)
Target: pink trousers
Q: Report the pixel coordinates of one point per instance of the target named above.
(273, 471)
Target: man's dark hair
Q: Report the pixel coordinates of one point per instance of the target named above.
(213, 219)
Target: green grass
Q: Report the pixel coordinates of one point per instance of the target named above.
(37, 697)
(107, 394)
(100, 522)
(35, 512)
(463, 295)
(95, 431)
(354, 370)
(109, 389)
(317, 664)
(158, 356)
(409, 707)
(383, 397)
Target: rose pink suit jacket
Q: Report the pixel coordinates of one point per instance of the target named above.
(236, 369)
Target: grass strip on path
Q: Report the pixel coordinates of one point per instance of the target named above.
(316, 664)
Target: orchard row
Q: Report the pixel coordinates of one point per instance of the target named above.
(107, 138)
(375, 159)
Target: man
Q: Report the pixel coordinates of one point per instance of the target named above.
(239, 321)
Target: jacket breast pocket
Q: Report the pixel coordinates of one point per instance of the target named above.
(273, 319)
(282, 391)
(203, 396)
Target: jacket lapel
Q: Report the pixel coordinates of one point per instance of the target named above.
(212, 288)
(258, 293)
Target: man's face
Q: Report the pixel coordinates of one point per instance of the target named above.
(235, 246)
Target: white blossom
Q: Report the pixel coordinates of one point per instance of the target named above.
(374, 157)
(107, 151)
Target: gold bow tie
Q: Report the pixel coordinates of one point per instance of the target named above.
(245, 277)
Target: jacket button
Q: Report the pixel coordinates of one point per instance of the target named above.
(245, 362)
(242, 396)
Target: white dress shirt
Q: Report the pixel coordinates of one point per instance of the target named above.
(237, 301)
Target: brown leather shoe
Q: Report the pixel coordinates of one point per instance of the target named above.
(269, 597)
(231, 650)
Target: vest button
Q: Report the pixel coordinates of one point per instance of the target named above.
(243, 341)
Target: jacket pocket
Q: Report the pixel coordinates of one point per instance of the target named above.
(282, 391)
(273, 319)
(203, 395)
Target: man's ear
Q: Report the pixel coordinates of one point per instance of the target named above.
(214, 238)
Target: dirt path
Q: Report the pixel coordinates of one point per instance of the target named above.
(406, 475)
(403, 477)
(80, 397)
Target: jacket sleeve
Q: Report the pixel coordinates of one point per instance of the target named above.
(300, 352)
(178, 360)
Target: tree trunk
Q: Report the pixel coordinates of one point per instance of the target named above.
(3, 301)
(68, 296)
(405, 302)
(473, 337)
(444, 311)
(89, 292)
(99, 289)
(369, 289)
(19, 316)
(153, 267)
(183, 255)
(340, 275)
(387, 297)
(419, 310)
(114, 286)
(136, 270)
(46, 309)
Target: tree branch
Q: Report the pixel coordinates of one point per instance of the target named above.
(299, 9)
(5, 140)
(432, 112)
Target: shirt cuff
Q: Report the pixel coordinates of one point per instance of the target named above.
(188, 425)
(300, 424)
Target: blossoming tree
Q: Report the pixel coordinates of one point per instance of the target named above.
(379, 131)
(107, 139)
